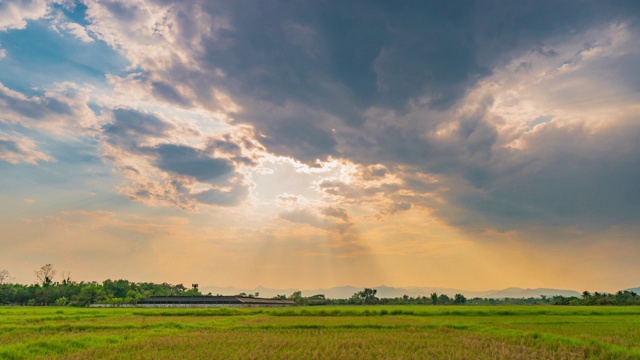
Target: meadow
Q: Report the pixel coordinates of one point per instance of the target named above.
(341, 332)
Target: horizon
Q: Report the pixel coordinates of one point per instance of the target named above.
(466, 144)
(11, 279)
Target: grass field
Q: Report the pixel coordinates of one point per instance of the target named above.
(377, 332)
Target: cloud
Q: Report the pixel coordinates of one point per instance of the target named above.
(188, 161)
(15, 149)
(164, 165)
(131, 129)
(576, 166)
(3, 53)
(446, 105)
(303, 216)
(14, 14)
(37, 108)
(63, 107)
(61, 25)
(335, 212)
(567, 177)
(302, 74)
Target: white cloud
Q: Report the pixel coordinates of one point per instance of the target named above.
(75, 29)
(16, 148)
(14, 14)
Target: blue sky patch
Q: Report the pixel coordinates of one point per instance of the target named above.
(38, 57)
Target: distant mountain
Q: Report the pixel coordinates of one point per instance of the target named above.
(635, 290)
(527, 293)
(262, 291)
(512, 292)
(345, 292)
(341, 292)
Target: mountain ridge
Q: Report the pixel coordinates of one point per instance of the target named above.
(383, 291)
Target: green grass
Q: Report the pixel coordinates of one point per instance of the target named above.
(347, 332)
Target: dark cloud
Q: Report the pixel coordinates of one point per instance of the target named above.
(168, 93)
(298, 136)
(133, 124)
(343, 58)
(185, 160)
(301, 70)
(42, 108)
(570, 178)
(382, 84)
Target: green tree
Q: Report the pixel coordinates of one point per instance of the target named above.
(297, 298)
(434, 298)
(367, 296)
(117, 289)
(444, 299)
(62, 301)
(459, 299)
(90, 294)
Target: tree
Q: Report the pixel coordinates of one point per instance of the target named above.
(5, 278)
(66, 277)
(117, 288)
(45, 274)
(90, 294)
(434, 298)
(298, 298)
(367, 296)
(459, 299)
(443, 299)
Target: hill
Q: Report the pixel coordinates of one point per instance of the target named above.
(345, 292)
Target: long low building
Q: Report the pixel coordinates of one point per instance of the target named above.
(212, 301)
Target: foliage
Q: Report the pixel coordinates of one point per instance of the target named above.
(366, 296)
(122, 292)
(619, 298)
(69, 292)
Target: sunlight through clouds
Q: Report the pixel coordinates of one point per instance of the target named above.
(266, 143)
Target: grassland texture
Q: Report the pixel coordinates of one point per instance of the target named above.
(400, 332)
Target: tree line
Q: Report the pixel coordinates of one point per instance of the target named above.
(587, 298)
(66, 292)
(369, 297)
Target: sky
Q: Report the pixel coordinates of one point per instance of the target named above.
(306, 144)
